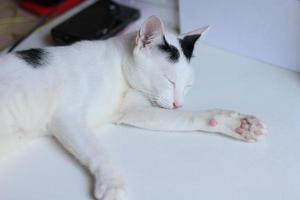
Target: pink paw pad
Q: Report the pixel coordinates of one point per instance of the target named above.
(213, 122)
(258, 124)
(244, 126)
(239, 130)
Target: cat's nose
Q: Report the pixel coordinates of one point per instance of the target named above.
(177, 104)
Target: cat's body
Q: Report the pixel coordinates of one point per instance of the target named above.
(135, 79)
(70, 77)
(30, 96)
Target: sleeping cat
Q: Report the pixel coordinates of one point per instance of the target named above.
(138, 79)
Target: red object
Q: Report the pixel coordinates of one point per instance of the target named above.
(44, 10)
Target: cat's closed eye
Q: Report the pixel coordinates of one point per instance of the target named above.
(170, 81)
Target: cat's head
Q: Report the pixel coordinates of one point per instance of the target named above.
(162, 69)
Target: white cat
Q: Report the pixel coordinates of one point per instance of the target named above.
(137, 79)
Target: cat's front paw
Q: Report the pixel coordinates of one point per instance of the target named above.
(109, 188)
(250, 129)
(244, 127)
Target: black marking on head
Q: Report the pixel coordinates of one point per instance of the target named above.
(187, 45)
(170, 49)
(34, 57)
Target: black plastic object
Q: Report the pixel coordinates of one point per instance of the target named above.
(46, 2)
(101, 20)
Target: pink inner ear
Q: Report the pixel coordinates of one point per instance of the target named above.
(153, 25)
(199, 31)
(151, 31)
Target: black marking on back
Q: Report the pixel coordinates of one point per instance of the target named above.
(187, 45)
(34, 57)
(170, 49)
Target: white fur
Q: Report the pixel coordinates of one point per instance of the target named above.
(121, 80)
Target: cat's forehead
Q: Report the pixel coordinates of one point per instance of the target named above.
(172, 38)
(171, 46)
(178, 67)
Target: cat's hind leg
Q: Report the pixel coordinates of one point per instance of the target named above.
(72, 132)
(19, 125)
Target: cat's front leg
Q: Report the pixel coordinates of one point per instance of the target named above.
(233, 124)
(72, 132)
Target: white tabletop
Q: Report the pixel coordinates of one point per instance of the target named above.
(178, 166)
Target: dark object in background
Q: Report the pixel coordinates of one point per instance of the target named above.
(42, 21)
(101, 20)
(45, 2)
(50, 11)
(44, 7)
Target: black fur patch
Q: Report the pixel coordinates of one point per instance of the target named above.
(187, 45)
(170, 49)
(34, 57)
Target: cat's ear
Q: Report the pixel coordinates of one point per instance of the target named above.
(188, 40)
(150, 33)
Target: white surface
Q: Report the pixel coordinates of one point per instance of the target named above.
(267, 30)
(178, 166)
(186, 166)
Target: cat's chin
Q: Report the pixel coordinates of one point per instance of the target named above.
(169, 107)
(162, 105)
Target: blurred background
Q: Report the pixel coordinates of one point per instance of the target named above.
(266, 30)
